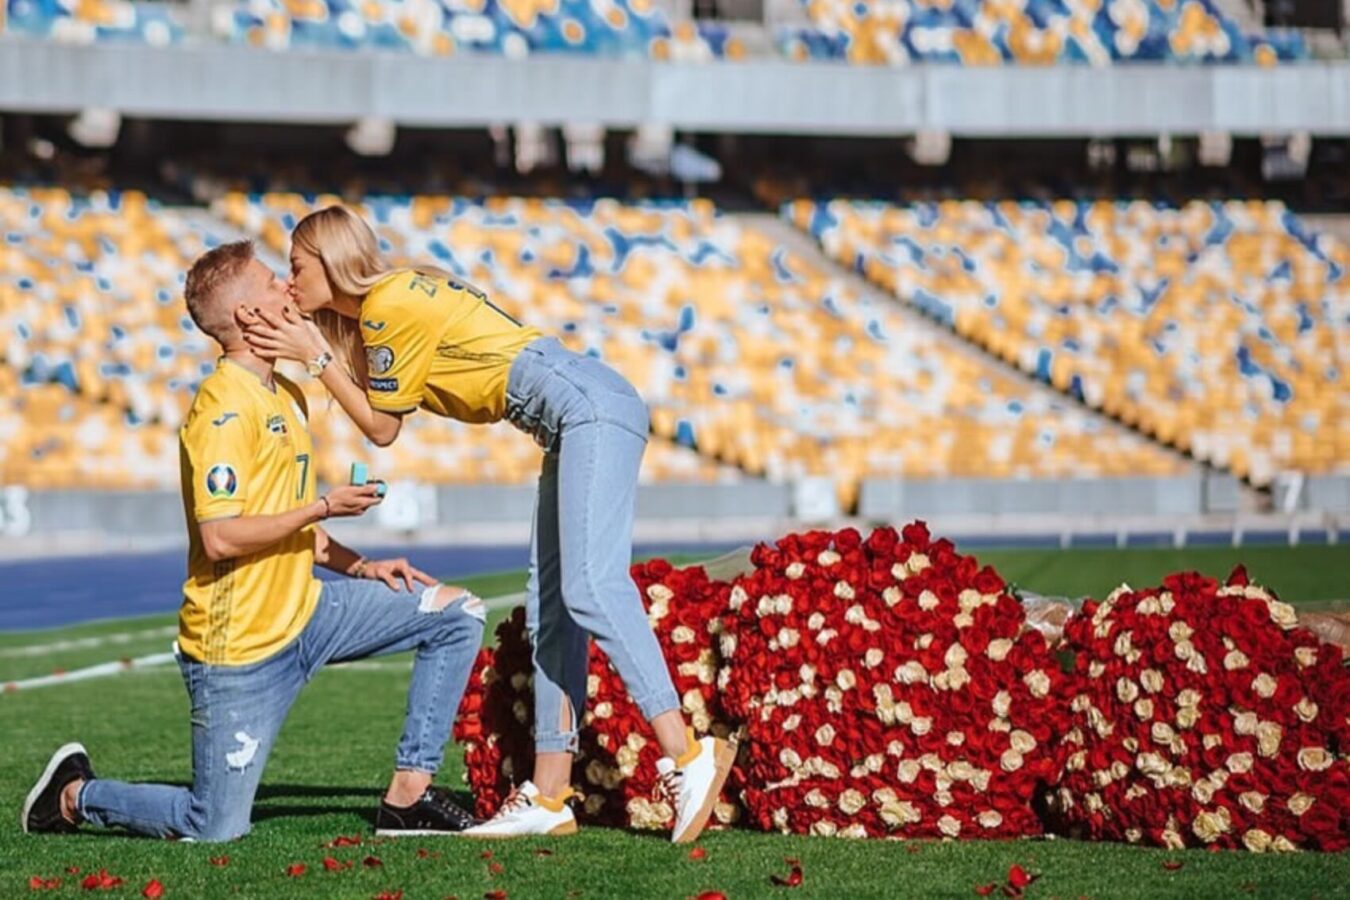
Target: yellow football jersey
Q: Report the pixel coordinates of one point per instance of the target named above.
(440, 345)
(245, 451)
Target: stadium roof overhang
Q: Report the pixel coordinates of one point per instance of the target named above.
(222, 83)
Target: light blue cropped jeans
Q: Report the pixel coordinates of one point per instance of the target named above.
(592, 426)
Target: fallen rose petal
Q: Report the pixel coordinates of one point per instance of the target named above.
(38, 883)
(712, 895)
(486, 854)
(295, 870)
(335, 865)
(389, 895)
(372, 862)
(1172, 865)
(153, 890)
(343, 840)
(496, 868)
(698, 853)
(219, 860)
(984, 890)
(793, 879)
(100, 881)
(1019, 878)
(73, 870)
(495, 895)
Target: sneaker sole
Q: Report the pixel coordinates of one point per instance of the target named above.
(725, 756)
(53, 764)
(566, 828)
(413, 832)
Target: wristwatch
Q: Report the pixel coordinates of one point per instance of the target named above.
(316, 366)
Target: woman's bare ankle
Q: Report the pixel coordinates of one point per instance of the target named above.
(69, 805)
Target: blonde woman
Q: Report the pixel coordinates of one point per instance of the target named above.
(418, 337)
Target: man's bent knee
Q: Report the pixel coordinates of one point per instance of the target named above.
(437, 598)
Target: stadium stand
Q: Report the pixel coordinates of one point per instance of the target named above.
(1218, 328)
(966, 32)
(742, 349)
(1037, 33)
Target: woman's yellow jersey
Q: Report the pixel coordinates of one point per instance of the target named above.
(440, 345)
(245, 451)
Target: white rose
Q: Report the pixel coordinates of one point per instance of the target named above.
(1300, 803)
(1037, 682)
(899, 572)
(1239, 763)
(1315, 759)
(1252, 801)
(1268, 737)
(1123, 646)
(908, 770)
(1306, 710)
(1264, 686)
(1235, 659)
(1143, 709)
(1002, 703)
(897, 813)
(928, 601)
(891, 595)
(1256, 840)
(921, 725)
(1172, 840)
(1283, 615)
(917, 562)
(851, 801)
(911, 672)
(825, 735)
(737, 598)
(824, 828)
(1011, 760)
(873, 657)
(1152, 680)
(844, 591)
(1189, 697)
(828, 557)
(1179, 631)
(990, 818)
(949, 826)
(1162, 733)
(998, 649)
(816, 622)
(1022, 741)
(1282, 844)
(789, 758)
(1187, 716)
(780, 819)
(1126, 690)
(816, 798)
(795, 570)
(787, 638)
(1245, 723)
(846, 679)
(1208, 826)
(1306, 656)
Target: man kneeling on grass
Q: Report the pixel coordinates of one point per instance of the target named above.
(255, 624)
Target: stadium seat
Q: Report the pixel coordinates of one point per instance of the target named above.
(1216, 327)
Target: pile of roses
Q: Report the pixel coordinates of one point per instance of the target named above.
(892, 687)
(615, 771)
(888, 688)
(1204, 716)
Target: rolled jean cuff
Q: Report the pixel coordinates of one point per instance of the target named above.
(79, 799)
(556, 742)
(657, 702)
(403, 763)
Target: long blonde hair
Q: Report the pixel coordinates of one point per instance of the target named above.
(350, 253)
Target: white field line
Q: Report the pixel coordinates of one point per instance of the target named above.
(85, 643)
(101, 670)
(117, 667)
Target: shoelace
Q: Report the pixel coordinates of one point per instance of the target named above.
(668, 785)
(515, 802)
(440, 800)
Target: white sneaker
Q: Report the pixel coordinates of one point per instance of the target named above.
(527, 811)
(696, 785)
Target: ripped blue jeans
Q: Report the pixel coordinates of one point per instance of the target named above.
(592, 425)
(237, 711)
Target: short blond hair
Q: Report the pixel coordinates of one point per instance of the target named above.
(210, 279)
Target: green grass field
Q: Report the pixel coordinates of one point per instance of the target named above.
(334, 754)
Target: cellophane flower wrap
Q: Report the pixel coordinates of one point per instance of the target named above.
(615, 769)
(888, 687)
(1204, 716)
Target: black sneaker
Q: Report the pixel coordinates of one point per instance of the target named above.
(433, 813)
(42, 809)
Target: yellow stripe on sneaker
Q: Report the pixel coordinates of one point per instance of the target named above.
(554, 804)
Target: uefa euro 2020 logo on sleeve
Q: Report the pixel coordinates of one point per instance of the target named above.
(221, 482)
